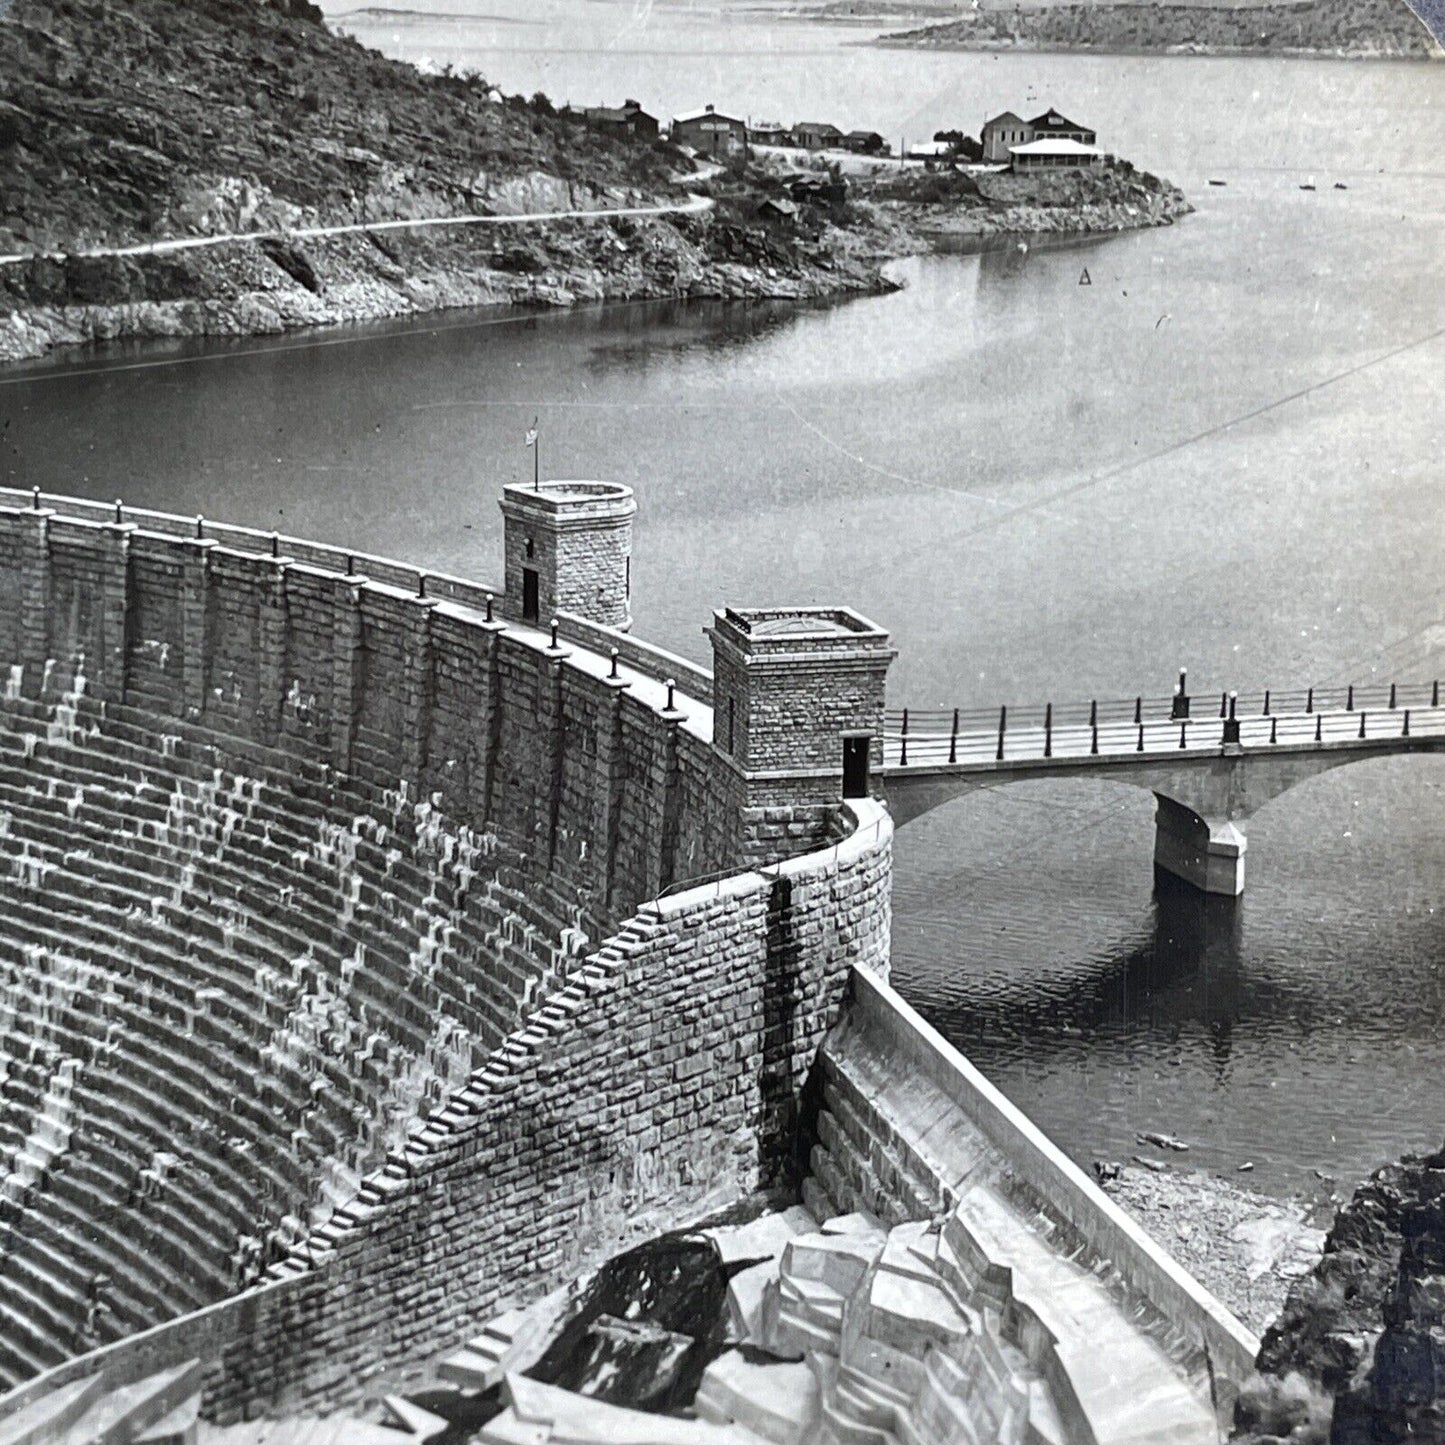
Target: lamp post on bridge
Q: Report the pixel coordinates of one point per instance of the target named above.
(1180, 708)
(1231, 725)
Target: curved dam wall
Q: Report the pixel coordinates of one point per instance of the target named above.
(329, 961)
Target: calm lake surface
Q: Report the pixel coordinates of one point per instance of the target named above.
(1225, 453)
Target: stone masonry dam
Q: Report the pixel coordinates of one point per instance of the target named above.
(380, 952)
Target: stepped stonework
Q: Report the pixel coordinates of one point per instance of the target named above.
(378, 954)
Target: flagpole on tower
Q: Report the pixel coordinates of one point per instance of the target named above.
(536, 456)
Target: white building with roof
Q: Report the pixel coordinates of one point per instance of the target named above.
(1038, 155)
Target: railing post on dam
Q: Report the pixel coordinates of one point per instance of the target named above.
(1183, 729)
(1350, 698)
(1392, 697)
(1002, 728)
(903, 741)
(1274, 730)
(953, 739)
(1363, 716)
(1266, 702)
(1319, 727)
(1139, 746)
(1048, 730)
(1405, 731)
(1138, 711)
(1310, 700)
(1435, 694)
(1223, 704)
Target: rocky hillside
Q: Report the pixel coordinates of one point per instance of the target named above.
(1375, 28)
(1358, 1355)
(130, 120)
(164, 165)
(133, 122)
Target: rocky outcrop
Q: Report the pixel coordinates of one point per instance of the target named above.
(1358, 1355)
(1113, 196)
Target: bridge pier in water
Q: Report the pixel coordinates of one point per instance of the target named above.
(1208, 855)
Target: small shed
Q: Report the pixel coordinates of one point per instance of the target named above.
(769, 133)
(815, 135)
(627, 121)
(866, 143)
(778, 210)
(930, 150)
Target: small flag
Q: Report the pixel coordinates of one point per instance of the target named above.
(532, 433)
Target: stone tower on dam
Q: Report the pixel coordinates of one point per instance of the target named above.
(381, 952)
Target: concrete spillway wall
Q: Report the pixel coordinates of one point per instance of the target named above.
(327, 924)
(907, 1128)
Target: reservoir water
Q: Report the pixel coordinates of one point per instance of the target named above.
(1225, 453)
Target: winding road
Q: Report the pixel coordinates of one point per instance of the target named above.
(692, 206)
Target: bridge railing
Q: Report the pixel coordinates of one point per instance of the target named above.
(1373, 712)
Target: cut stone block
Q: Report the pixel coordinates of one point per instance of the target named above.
(776, 1400)
(538, 1414)
(746, 1290)
(761, 1238)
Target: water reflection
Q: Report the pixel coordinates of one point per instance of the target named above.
(659, 333)
(1296, 1029)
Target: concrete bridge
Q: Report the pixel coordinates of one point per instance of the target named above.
(1210, 763)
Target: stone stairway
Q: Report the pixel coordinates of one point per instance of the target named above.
(225, 991)
(482, 1361)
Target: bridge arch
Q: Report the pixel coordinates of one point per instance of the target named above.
(1202, 797)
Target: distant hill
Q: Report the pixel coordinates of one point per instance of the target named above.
(1360, 28)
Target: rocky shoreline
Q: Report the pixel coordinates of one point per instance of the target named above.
(267, 288)
(1357, 1355)
(1247, 1249)
(260, 289)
